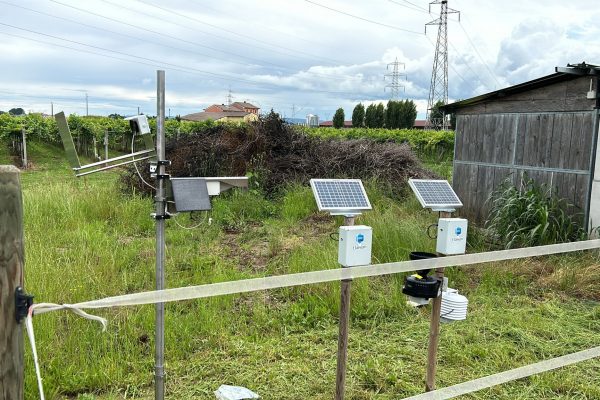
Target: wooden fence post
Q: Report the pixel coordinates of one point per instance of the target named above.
(24, 147)
(342, 355)
(12, 261)
(434, 328)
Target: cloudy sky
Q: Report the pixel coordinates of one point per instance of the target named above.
(294, 56)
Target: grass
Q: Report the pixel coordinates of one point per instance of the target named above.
(86, 240)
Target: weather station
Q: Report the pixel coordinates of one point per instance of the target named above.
(172, 195)
(451, 239)
(345, 197)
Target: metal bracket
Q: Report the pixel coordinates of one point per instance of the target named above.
(164, 162)
(163, 176)
(22, 303)
(159, 217)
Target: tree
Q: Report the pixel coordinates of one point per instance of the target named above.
(338, 118)
(16, 111)
(407, 114)
(379, 116)
(358, 116)
(370, 116)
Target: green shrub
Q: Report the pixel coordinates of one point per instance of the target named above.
(531, 215)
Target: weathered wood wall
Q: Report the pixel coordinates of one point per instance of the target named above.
(11, 276)
(551, 147)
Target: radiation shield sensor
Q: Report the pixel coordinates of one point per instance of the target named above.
(340, 196)
(436, 195)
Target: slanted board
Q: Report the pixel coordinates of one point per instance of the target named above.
(67, 139)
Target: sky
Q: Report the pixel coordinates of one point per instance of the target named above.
(293, 56)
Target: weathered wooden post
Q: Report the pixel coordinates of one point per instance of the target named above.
(434, 328)
(12, 260)
(342, 357)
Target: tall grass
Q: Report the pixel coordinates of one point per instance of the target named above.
(86, 240)
(531, 215)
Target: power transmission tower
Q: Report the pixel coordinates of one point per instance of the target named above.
(438, 89)
(395, 75)
(229, 97)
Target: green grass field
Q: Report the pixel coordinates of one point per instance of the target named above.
(85, 240)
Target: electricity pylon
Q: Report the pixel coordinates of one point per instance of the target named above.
(395, 75)
(438, 89)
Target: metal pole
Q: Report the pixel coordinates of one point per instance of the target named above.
(86, 105)
(159, 373)
(434, 329)
(342, 357)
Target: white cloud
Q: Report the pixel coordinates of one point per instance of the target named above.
(288, 55)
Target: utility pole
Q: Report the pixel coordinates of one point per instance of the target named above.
(395, 75)
(438, 89)
(138, 110)
(87, 110)
(52, 109)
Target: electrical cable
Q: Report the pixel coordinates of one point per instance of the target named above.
(363, 19)
(410, 8)
(126, 35)
(135, 165)
(253, 39)
(174, 67)
(478, 54)
(189, 228)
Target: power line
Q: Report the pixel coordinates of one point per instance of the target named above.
(157, 63)
(479, 55)
(415, 7)
(183, 40)
(127, 54)
(253, 39)
(363, 19)
(160, 44)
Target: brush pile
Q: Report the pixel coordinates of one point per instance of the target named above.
(277, 154)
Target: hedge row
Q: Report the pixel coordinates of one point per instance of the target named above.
(424, 142)
(84, 129)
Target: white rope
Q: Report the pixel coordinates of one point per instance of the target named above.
(31, 334)
(330, 275)
(507, 376)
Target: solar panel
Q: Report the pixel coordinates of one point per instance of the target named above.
(435, 194)
(339, 195)
(190, 194)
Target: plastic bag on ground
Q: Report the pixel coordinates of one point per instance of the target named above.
(226, 392)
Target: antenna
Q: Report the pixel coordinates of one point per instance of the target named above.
(438, 89)
(395, 75)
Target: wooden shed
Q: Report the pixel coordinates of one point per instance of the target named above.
(546, 128)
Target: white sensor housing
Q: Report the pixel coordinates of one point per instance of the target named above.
(355, 244)
(452, 236)
(142, 123)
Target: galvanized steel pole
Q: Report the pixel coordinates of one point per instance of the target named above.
(159, 372)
